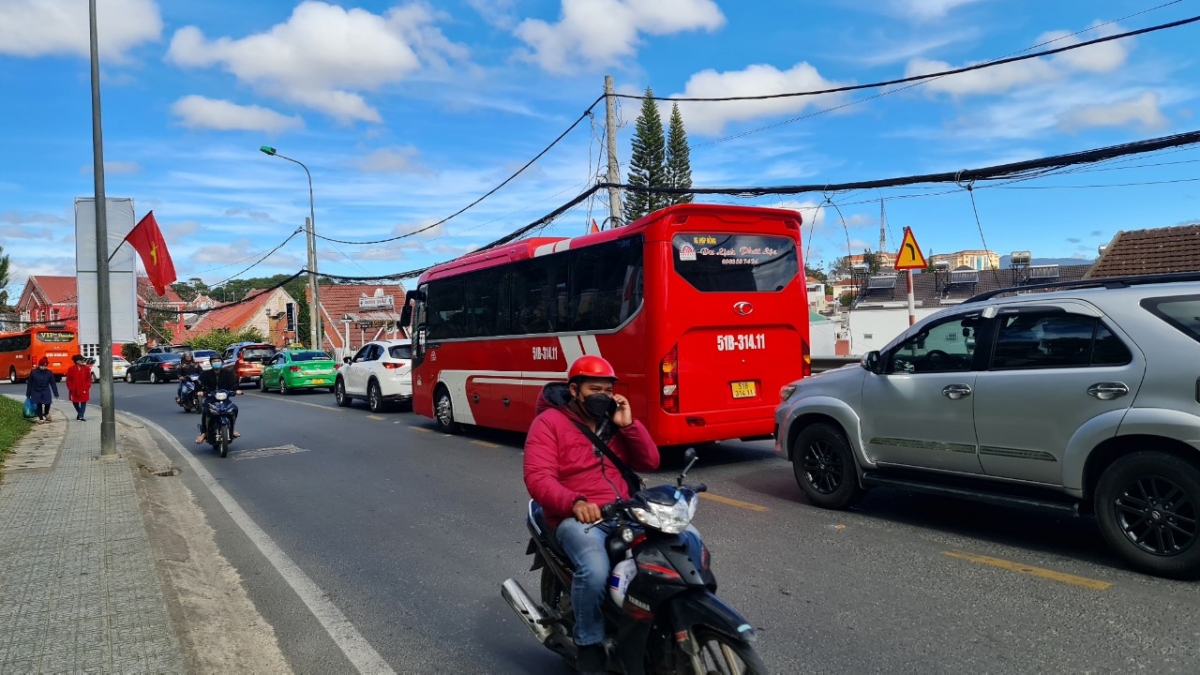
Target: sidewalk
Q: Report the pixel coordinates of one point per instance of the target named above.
(78, 586)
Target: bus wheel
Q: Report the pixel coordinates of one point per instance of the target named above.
(443, 411)
(12, 375)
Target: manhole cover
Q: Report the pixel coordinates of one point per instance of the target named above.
(266, 452)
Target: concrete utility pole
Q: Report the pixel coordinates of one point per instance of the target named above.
(108, 413)
(315, 325)
(616, 210)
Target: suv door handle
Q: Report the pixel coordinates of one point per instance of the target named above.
(956, 391)
(1107, 391)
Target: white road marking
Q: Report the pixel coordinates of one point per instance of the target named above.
(356, 648)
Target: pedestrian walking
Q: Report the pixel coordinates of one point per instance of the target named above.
(42, 390)
(79, 386)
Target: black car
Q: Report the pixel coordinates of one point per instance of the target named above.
(154, 368)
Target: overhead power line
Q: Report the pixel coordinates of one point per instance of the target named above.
(586, 113)
(915, 78)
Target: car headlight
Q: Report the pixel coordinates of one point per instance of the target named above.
(786, 392)
(672, 518)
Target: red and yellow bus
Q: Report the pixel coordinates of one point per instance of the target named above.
(20, 352)
(701, 309)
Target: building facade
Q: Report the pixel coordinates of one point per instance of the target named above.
(976, 259)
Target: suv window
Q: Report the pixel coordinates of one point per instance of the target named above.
(1182, 312)
(946, 347)
(400, 351)
(1056, 340)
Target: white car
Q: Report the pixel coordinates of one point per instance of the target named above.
(380, 373)
(120, 365)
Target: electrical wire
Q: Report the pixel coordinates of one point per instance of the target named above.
(586, 114)
(260, 260)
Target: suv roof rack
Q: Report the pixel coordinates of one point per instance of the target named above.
(1114, 282)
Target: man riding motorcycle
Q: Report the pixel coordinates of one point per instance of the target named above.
(210, 382)
(571, 479)
(187, 366)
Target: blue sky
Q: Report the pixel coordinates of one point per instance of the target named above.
(407, 111)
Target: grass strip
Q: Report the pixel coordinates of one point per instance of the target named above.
(12, 427)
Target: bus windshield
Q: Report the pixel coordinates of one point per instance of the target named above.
(721, 263)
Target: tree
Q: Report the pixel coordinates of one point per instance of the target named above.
(679, 163)
(221, 338)
(648, 164)
(4, 280)
(131, 352)
(873, 262)
(816, 272)
(846, 299)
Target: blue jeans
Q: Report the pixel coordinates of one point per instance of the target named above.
(80, 409)
(585, 546)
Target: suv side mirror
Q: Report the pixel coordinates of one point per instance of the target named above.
(346, 360)
(871, 361)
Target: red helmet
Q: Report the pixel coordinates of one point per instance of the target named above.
(591, 367)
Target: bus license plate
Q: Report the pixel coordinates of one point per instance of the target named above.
(744, 390)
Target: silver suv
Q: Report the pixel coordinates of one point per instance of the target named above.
(1084, 400)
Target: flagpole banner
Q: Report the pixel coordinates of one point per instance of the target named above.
(122, 270)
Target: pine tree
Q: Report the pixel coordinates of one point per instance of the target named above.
(648, 165)
(679, 163)
(4, 266)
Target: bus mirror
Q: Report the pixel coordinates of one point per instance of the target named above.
(405, 317)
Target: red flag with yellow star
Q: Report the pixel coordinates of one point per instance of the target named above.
(147, 240)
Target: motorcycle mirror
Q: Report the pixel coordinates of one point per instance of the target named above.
(689, 457)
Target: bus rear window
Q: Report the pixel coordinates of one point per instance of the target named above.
(56, 336)
(1181, 311)
(721, 263)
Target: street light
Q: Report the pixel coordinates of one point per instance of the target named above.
(314, 289)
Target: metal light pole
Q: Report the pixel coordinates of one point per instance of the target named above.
(310, 226)
(108, 413)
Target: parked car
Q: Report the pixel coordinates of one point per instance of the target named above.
(170, 349)
(247, 359)
(120, 365)
(202, 357)
(1077, 401)
(154, 368)
(380, 373)
(293, 369)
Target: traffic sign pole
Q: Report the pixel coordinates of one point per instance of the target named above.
(912, 301)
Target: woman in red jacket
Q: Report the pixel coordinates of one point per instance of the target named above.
(79, 386)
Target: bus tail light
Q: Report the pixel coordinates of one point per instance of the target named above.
(806, 365)
(669, 380)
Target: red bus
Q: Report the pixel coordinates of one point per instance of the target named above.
(20, 352)
(701, 309)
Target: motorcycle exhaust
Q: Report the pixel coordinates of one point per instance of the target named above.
(526, 608)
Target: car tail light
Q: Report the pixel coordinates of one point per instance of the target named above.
(669, 380)
(806, 365)
(294, 369)
(168, 365)
(393, 366)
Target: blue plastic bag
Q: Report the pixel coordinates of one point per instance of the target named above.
(30, 410)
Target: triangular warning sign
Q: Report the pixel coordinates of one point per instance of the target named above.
(910, 256)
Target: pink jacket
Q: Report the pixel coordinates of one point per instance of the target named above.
(561, 464)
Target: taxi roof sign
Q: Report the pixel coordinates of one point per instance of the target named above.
(910, 256)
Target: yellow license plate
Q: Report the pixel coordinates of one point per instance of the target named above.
(744, 389)
(318, 381)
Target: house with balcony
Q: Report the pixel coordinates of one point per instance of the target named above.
(355, 314)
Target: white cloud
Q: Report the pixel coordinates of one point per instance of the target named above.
(25, 232)
(595, 33)
(47, 27)
(324, 55)
(431, 233)
(198, 112)
(15, 218)
(391, 160)
(928, 9)
(112, 168)
(498, 13)
(1143, 109)
(1105, 57)
(711, 118)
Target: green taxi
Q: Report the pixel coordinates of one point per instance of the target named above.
(293, 369)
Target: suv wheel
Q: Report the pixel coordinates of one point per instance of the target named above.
(443, 411)
(1148, 506)
(339, 393)
(824, 467)
(374, 397)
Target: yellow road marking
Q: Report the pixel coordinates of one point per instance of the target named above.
(1041, 573)
(375, 417)
(733, 502)
(485, 444)
(422, 430)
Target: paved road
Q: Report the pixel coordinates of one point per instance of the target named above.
(409, 533)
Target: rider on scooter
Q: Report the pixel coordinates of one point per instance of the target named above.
(210, 382)
(571, 479)
(187, 366)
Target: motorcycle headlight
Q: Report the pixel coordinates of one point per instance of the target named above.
(672, 518)
(221, 396)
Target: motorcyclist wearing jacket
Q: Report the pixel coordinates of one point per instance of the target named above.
(187, 366)
(210, 381)
(571, 479)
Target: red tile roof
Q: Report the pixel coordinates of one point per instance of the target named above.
(1158, 251)
(340, 300)
(234, 316)
(146, 292)
(57, 290)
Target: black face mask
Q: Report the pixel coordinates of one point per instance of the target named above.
(599, 406)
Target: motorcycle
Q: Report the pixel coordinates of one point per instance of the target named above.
(188, 397)
(219, 433)
(662, 614)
